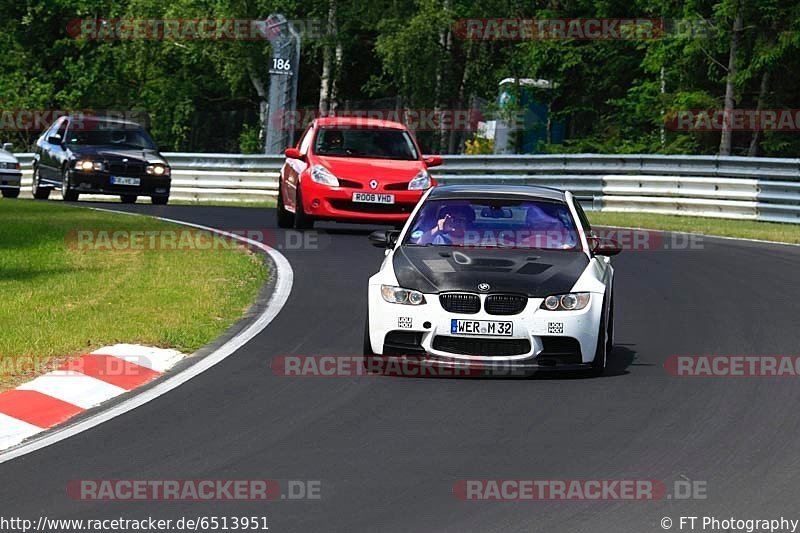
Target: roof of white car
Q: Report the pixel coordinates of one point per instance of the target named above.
(444, 192)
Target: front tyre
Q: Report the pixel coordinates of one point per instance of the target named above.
(38, 192)
(301, 219)
(159, 200)
(610, 328)
(369, 355)
(601, 352)
(128, 198)
(285, 218)
(10, 193)
(67, 193)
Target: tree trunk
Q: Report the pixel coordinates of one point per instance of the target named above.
(324, 84)
(451, 147)
(263, 105)
(549, 131)
(726, 138)
(333, 102)
(445, 40)
(662, 133)
(755, 138)
(327, 63)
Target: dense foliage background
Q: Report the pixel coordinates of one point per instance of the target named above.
(615, 95)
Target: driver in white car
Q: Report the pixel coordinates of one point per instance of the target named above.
(452, 224)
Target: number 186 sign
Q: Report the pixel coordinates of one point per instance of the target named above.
(281, 66)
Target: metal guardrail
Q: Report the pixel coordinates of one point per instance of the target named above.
(712, 186)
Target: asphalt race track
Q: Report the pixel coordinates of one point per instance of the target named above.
(389, 450)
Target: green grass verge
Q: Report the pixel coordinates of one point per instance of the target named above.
(747, 229)
(58, 300)
(220, 203)
(268, 203)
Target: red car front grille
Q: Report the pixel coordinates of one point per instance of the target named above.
(358, 207)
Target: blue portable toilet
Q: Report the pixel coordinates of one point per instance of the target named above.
(531, 118)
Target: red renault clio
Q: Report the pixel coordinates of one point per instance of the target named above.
(352, 169)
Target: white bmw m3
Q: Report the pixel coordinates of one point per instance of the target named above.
(494, 276)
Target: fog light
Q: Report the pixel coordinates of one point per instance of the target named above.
(315, 204)
(162, 190)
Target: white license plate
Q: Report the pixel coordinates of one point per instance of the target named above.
(373, 198)
(120, 180)
(481, 327)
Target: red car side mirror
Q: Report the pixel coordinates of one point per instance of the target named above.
(433, 161)
(293, 153)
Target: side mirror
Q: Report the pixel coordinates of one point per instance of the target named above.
(54, 139)
(293, 153)
(384, 239)
(8, 147)
(607, 247)
(433, 160)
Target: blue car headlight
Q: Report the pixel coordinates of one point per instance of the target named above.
(87, 165)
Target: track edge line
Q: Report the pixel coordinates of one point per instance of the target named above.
(280, 294)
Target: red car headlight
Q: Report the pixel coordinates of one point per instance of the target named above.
(320, 174)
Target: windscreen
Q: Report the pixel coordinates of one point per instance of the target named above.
(494, 223)
(129, 137)
(365, 142)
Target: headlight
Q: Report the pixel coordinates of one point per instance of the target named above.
(86, 165)
(573, 301)
(322, 175)
(10, 165)
(420, 182)
(157, 170)
(396, 295)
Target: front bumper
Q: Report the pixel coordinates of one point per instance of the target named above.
(10, 179)
(540, 339)
(100, 183)
(336, 203)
